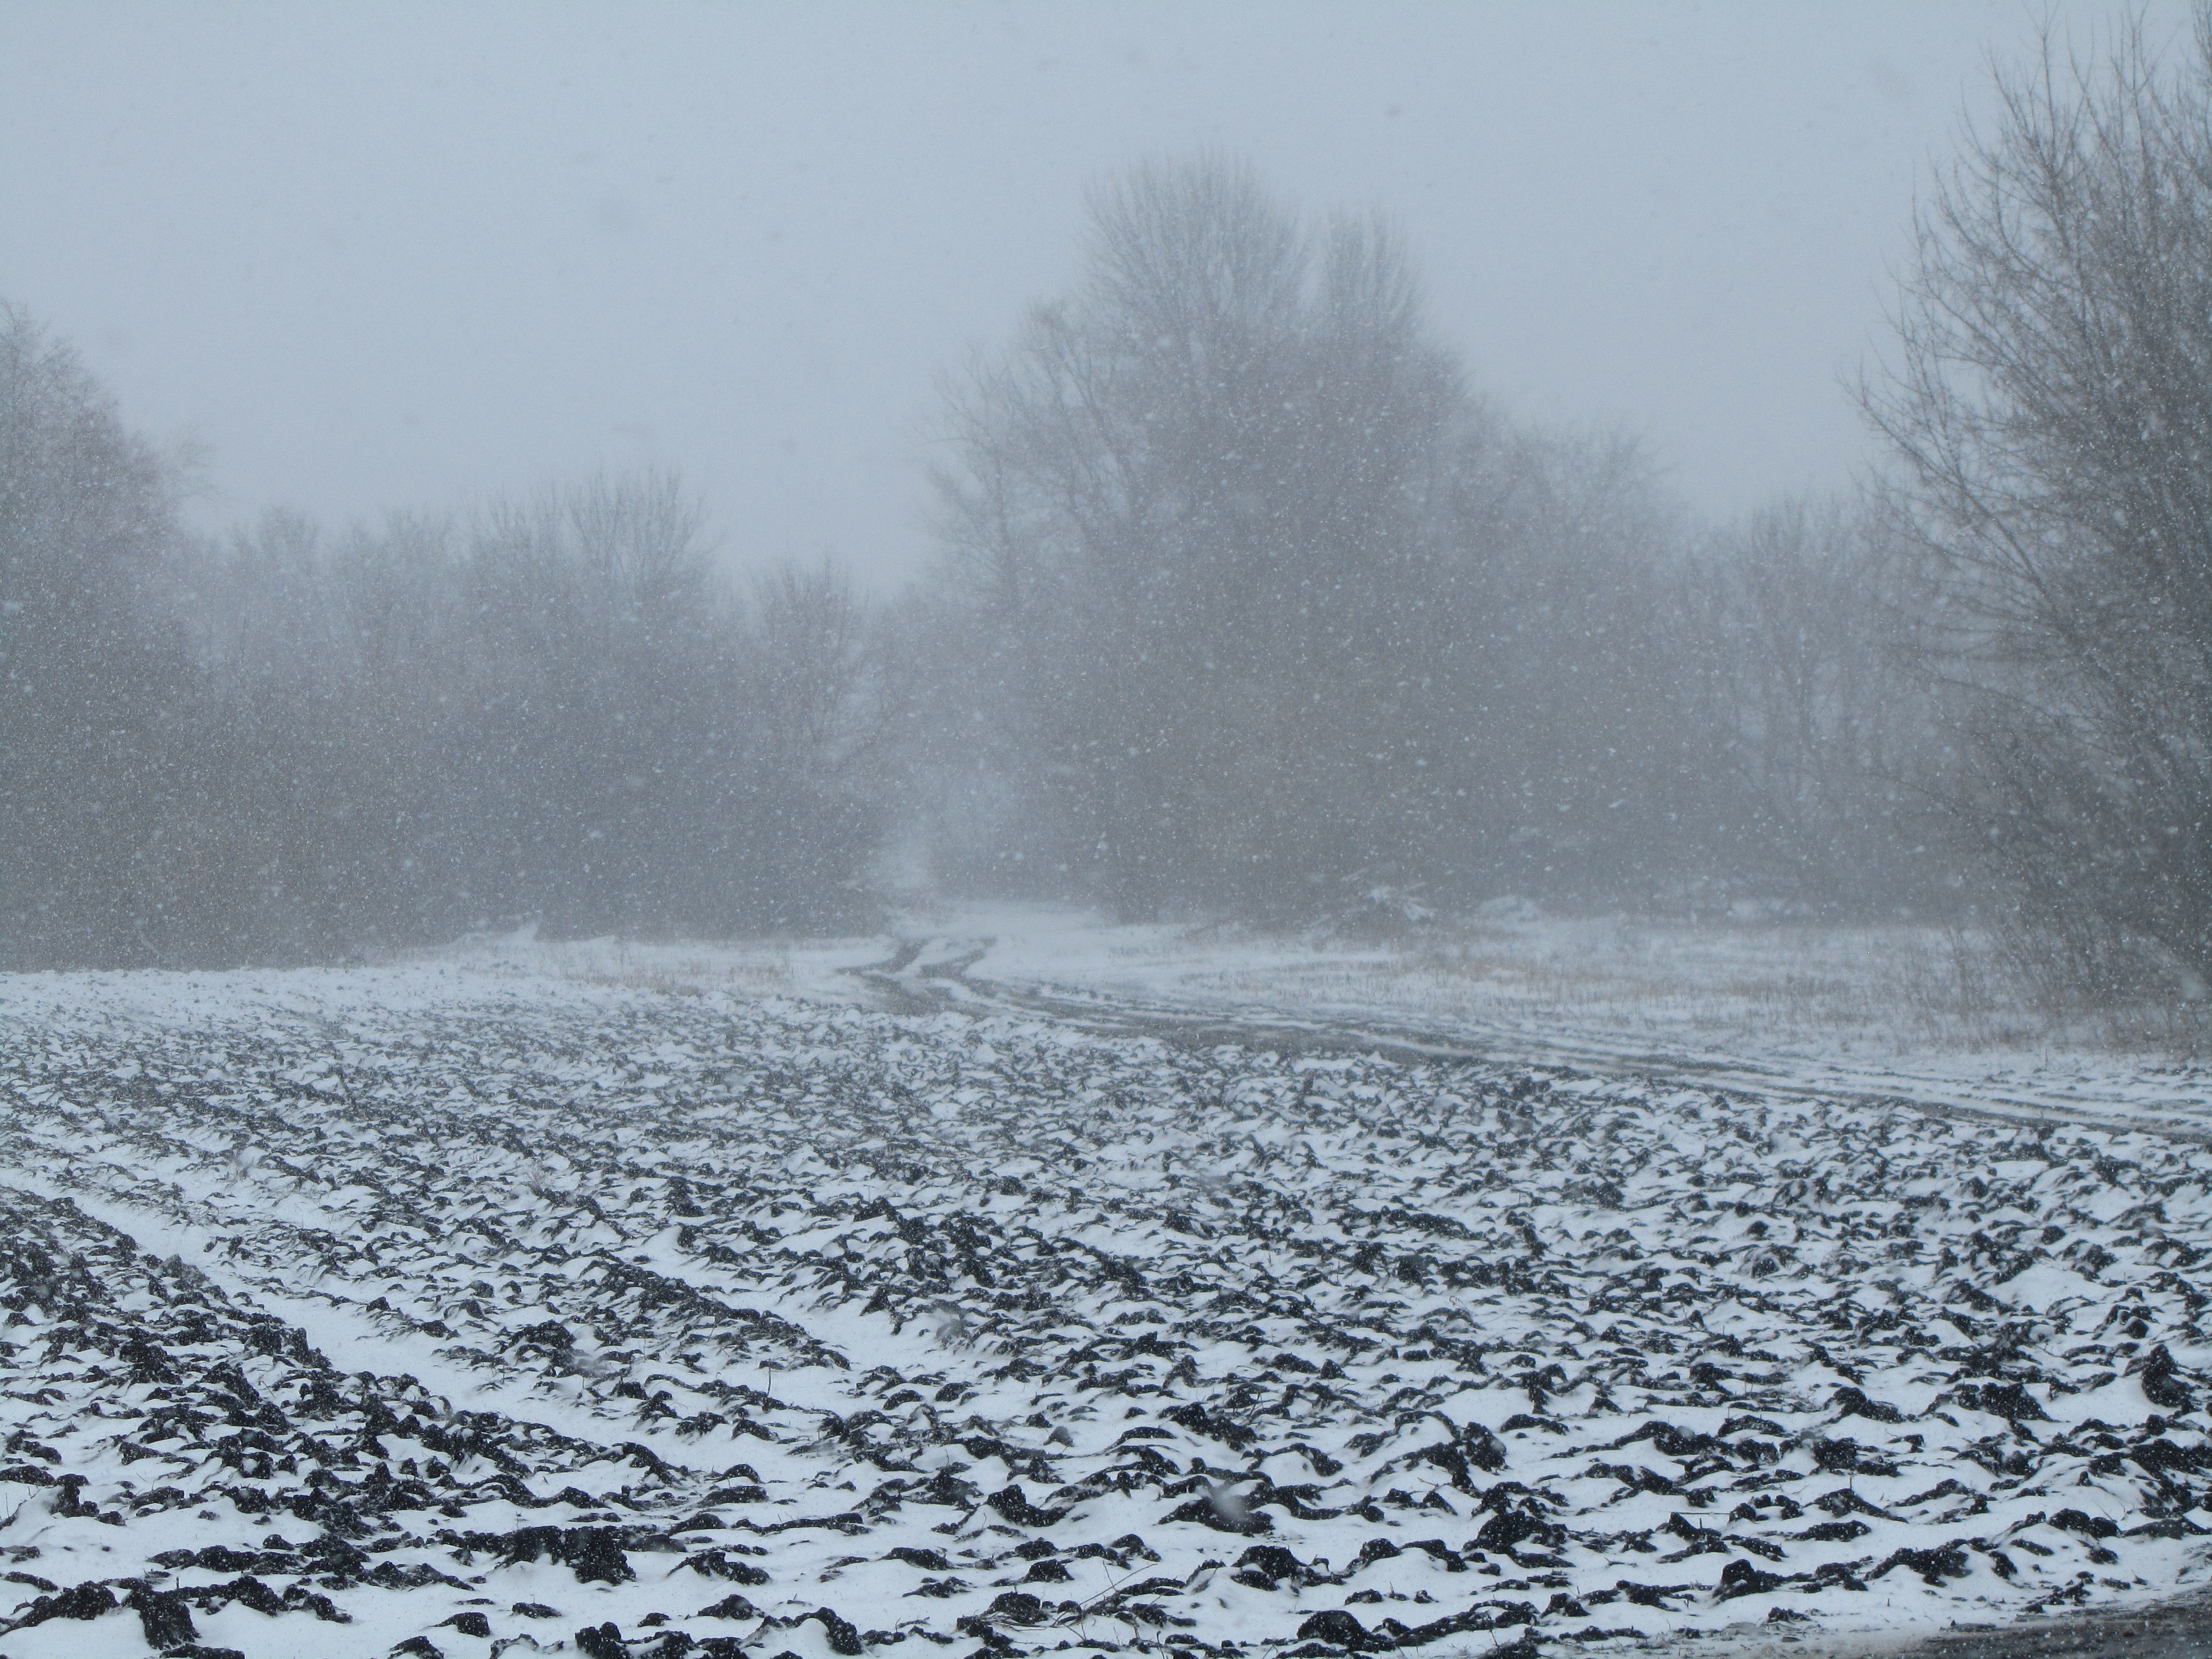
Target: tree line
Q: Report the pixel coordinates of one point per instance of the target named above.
(1246, 605)
(1249, 605)
(279, 748)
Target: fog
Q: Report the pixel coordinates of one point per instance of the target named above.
(376, 256)
(693, 471)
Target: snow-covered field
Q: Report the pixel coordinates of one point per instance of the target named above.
(1925, 1013)
(458, 1306)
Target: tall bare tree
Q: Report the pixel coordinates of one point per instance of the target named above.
(95, 687)
(1185, 507)
(2050, 400)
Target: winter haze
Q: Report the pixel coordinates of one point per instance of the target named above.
(1229, 831)
(408, 254)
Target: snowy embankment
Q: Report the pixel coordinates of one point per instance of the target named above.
(451, 1310)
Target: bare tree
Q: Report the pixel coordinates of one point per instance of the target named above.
(291, 747)
(1834, 739)
(1570, 713)
(2051, 402)
(96, 692)
(1184, 510)
(1251, 607)
(556, 710)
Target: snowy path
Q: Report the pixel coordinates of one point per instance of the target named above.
(977, 974)
(461, 1311)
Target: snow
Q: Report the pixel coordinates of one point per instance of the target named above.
(1921, 1012)
(1894, 1010)
(1105, 1322)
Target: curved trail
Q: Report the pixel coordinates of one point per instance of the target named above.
(936, 974)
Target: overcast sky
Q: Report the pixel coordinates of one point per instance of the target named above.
(380, 255)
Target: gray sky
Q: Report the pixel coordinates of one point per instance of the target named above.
(399, 255)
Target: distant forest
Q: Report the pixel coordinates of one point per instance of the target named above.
(1246, 605)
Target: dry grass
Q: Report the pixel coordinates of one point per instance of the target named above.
(1723, 984)
(749, 967)
(1726, 987)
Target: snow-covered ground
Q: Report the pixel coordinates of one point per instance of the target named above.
(462, 1304)
(1926, 1013)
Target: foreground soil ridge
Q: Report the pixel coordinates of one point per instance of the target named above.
(445, 1313)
